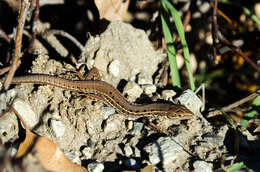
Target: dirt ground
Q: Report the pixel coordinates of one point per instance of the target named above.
(97, 137)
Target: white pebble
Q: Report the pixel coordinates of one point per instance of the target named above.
(30, 118)
(113, 68)
(57, 127)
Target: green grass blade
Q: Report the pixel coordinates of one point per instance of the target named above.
(245, 10)
(178, 23)
(236, 167)
(170, 48)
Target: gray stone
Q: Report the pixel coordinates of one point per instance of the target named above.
(189, 99)
(8, 127)
(149, 89)
(57, 127)
(144, 79)
(168, 94)
(95, 167)
(128, 150)
(113, 68)
(138, 126)
(30, 118)
(132, 163)
(202, 166)
(165, 150)
(133, 90)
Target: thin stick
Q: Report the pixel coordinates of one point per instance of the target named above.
(233, 105)
(35, 19)
(68, 36)
(215, 29)
(18, 43)
(238, 51)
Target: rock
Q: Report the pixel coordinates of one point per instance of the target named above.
(108, 111)
(137, 128)
(57, 127)
(132, 163)
(128, 150)
(144, 79)
(180, 61)
(204, 7)
(137, 152)
(189, 99)
(168, 94)
(113, 126)
(30, 118)
(202, 166)
(132, 90)
(87, 152)
(130, 46)
(114, 68)
(193, 63)
(76, 160)
(257, 9)
(212, 141)
(8, 128)
(95, 167)
(166, 151)
(149, 89)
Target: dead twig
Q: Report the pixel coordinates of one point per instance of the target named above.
(18, 43)
(215, 29)
(68, 36)
(238, 51)
(35, 19)
(233, 105)
(219, 38)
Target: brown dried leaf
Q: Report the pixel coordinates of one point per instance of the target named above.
(112, 10)
(51, 157)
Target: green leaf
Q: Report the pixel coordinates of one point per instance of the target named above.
(236, 167)
(166, 9)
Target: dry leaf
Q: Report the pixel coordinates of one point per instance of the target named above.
(25, 146)
(112, 10)
(51, 157)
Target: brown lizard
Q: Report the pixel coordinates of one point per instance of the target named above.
(100, 90)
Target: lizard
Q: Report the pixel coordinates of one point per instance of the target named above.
(101, 90)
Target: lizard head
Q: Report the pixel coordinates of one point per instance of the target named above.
(180, 112)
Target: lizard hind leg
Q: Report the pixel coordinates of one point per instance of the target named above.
(87, 96)
(93, 74)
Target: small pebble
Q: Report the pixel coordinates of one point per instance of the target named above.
(168, 94)
(8, 128)
(165, 150)
(189, 99)
(202, 166)
(128, 150)
(132, 163)
(204, 7)
(137, 152)
(57, 127)
(108, 111)
(149, 89)
(95, 167)
(30, 118)
(113, 68)
(144, 79)
(137, 128)
(87, 152)
(132, 90)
